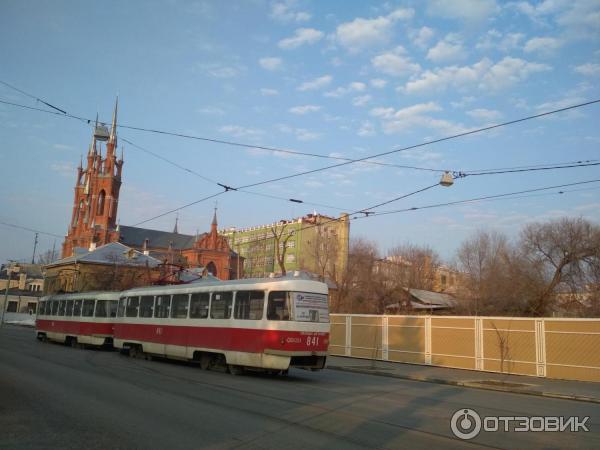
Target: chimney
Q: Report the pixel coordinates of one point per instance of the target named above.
(146, 251)
(92, 246)
(22, 281)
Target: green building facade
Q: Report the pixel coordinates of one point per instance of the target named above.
(315, 243)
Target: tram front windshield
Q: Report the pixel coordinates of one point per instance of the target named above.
(298, 306)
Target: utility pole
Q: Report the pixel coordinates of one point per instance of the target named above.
(9, 273)
(35, 243)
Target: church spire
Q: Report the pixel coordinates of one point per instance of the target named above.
(176, 220)
(213, 225)
(113, 128)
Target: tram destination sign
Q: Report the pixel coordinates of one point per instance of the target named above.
(309, 307)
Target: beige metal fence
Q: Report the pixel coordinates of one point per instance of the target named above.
(553, 348)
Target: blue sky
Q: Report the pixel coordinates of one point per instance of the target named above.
(337, 78)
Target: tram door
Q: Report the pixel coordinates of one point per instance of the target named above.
(176, 336)
(162, 308)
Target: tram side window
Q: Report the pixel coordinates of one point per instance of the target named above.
(220, 307)
(41, 309)
(163, 304)
(199, 305)
(121, 307)
(77, 307)
(61, 307)
(249, 305)
(179, 306)
(133, 304)
(88, 308)
(54, 308)
(101, 310)
(69, 310)
(112, 308)
(278, 307)
(147, 306)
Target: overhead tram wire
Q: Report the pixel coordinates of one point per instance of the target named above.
(423, 144)
(476, 199)
(209, 180)
(461, 174)
(20, 227)
(280, 150)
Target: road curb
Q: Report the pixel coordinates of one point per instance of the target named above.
(468, 384)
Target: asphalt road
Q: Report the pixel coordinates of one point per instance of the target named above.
(52, 396)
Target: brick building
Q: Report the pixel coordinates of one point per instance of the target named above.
(94, 217)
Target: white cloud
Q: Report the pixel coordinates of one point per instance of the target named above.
(395, 63)
(317, 83)
(62, 147)
(466, 10)
(355, 86)
(543, 45)
(306, 135)
(363, 33)
(577, 18)
(286, 12)
(268, 92)
(447, 50)
(239, 131)
(378, 83)
(211, 111)
(366, 129)
(508, 72)
(64, 169)
(415, 116)
(483, 74)
(421, 37)
(495, 40)
(301, 37)
(361, 100)
(300, 133)
(218, 70)
(305, 109)
(485, 115)
(270, 63)
(588, 69)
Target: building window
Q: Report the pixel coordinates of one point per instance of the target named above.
(220, 307)
(147, 306)
(199, 305)
(101, 197)
(249, 305)
(179, 306)
(290, 258)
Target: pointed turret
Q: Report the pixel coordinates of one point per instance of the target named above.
(175, 228)
(213, 225)
(113, 128)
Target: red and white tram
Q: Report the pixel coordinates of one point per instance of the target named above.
(78, 319)
(271, 324)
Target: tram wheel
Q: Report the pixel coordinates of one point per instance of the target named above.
(235, 369)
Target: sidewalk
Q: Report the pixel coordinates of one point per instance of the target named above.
(572, 390)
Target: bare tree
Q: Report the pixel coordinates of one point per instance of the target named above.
(417, 265)
(323, 247)
(281, 236)
(563, 252)
(356, 284)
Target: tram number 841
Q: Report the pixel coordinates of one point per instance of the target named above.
(312, 341)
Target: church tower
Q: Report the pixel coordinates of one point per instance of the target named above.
(94, 216)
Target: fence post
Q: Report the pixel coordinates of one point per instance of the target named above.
(428, 340)
(540, 347)
(348, 347)
(479, 343)
(384, 338)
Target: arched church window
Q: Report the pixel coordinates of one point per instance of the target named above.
(101, 203)
(211, 268)
(76, 218)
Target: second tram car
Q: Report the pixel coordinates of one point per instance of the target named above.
(78, 319)
(271, 324)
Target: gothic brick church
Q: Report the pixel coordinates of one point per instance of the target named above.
(94, 217)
